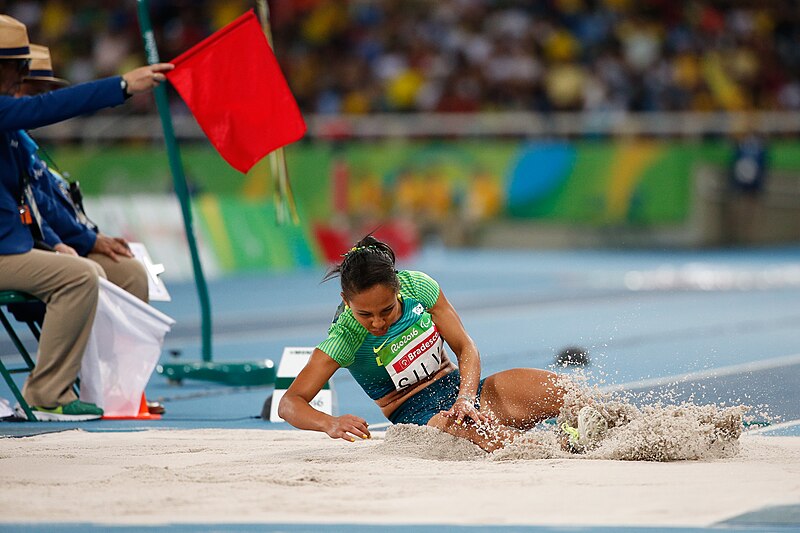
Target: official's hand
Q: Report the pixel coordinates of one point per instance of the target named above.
(145, 78)
(349, 428)
(65, 249)
(462, 409)
(111, 246)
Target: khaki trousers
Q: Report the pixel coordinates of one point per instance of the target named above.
(68, 286)
(127, 273)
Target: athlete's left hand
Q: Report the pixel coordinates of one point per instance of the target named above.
(464, 409)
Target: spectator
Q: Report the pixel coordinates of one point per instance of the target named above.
(743, 210)
(474, 55)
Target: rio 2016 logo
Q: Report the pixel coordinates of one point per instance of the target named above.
(414, 333)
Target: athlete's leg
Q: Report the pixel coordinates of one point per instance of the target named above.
(521, 397)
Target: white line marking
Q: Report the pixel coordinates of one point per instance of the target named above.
(766, 364)
(782, 425)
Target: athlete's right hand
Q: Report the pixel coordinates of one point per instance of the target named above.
(349, 428)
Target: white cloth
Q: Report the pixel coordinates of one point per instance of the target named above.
(123, 349)
(5, 408)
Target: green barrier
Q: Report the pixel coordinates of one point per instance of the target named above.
(611, 182)
(245, 237)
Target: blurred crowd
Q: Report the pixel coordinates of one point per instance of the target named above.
(366, 56)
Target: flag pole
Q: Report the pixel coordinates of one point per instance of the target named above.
(282, 191)
(178, 179)
(247, 373)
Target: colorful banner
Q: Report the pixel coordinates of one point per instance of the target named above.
(425, 186)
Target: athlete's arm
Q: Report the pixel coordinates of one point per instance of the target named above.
(469, 360)
(295, 405)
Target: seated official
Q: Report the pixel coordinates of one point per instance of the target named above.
(68, 285)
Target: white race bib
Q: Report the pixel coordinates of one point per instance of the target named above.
(415, 355)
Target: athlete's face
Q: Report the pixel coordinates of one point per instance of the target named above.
(376, 308)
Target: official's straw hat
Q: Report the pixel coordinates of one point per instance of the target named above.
(42, 67)
(14, 42)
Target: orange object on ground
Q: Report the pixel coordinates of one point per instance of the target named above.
(143, 414)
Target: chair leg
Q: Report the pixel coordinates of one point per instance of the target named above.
(35, 328)
(17, 342)
(7, 375)
(16, 392)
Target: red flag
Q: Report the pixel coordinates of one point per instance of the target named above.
(234, 87)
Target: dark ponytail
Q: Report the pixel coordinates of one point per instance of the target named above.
(369, 262)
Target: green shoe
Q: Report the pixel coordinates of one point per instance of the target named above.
(574, 438)
(75, 411)
(592, 428)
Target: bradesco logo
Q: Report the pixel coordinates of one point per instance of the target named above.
(426, 344)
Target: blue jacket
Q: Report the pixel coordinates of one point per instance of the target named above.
(33, 112)
(59, 221)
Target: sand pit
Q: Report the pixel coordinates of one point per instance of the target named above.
(406, 475)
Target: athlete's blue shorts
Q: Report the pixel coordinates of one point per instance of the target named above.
(438, 396)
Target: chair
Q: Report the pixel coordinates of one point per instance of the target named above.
(25, 308)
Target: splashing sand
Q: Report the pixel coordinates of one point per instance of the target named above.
(656, 432)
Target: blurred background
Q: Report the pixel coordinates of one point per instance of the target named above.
(456, 123)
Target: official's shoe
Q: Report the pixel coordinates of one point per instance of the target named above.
(75, 411)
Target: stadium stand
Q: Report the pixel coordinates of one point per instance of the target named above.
(373, 56)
